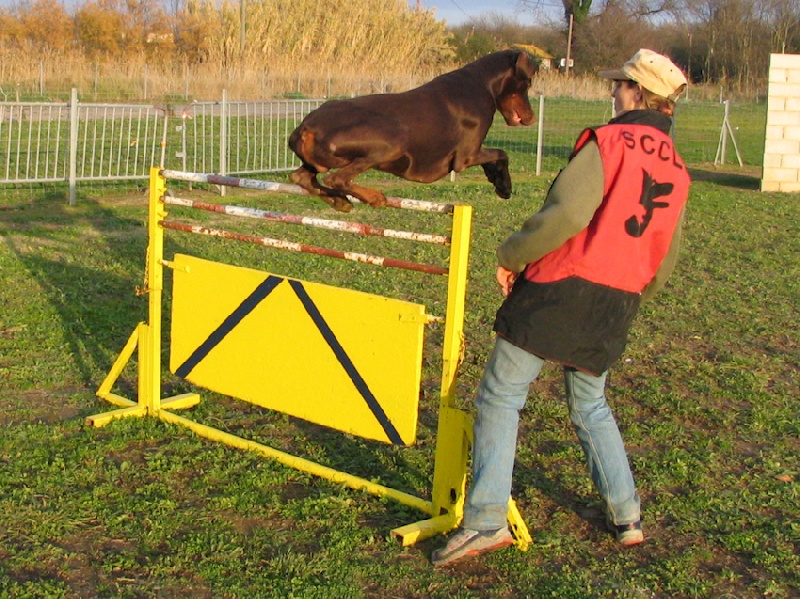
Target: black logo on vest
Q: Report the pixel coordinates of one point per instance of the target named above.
(650, 191)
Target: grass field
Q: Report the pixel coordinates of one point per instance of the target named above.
(706, 396)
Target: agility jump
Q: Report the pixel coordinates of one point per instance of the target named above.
(232, 331)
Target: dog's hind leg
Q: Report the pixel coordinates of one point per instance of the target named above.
(307, 179)
(373, 197)
(341, 180)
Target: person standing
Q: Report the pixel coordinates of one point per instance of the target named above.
(605, 240)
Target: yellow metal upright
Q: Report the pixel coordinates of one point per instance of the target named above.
(147, 335)
(150, 350)
(455, 425)
(454, 431)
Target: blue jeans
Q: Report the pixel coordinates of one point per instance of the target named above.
(501, 395)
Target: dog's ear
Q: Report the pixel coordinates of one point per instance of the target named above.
(526, 66)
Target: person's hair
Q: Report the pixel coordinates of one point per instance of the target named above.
(656, 102)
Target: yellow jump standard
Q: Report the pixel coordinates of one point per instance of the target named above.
(391, 410)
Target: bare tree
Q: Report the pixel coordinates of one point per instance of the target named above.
(784, 18)
(650, 8)
(733, 38)
(612, 35)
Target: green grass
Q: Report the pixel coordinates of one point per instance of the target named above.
(706, 396)
(698, 126)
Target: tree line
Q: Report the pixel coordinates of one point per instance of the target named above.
(722, 41)
(727, 42)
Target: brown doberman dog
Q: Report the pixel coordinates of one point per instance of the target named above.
(420, 135)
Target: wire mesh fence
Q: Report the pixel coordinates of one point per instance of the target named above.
(74, 141)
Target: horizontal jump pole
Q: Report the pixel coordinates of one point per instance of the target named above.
(309, 249)
(334, 225)
(227, 181)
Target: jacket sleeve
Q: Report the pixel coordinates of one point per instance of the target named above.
(574, 197)
(668, 263)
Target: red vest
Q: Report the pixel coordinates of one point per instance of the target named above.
(646, 186)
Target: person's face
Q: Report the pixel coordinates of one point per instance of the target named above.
(627, 96)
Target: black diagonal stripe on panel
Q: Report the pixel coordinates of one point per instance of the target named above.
(216, 337)
(347, 364)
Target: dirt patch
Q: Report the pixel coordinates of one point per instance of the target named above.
(44, 406)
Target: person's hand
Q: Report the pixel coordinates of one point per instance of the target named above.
(506, 279)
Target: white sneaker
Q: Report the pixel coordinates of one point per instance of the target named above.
(627, 534)
(466, 542)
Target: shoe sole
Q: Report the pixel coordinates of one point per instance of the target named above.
(627, 538)
(474, 552)
(631, 542)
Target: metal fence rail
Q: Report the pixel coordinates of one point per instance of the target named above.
(240, 136)
(73, 142)
(34, 142)
(117, 141)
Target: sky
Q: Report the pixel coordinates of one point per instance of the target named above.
(457, 12)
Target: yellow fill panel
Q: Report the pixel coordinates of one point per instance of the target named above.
(340, 358)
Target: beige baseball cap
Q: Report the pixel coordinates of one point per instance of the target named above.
(653, 71)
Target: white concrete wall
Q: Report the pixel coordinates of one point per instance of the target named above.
(782, 147)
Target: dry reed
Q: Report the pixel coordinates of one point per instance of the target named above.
(302, 47)
(292, 48)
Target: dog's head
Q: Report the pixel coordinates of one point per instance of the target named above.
(512, 97)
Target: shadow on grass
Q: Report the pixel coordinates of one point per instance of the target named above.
(47, 237)
(749, 181)
(87, 261)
